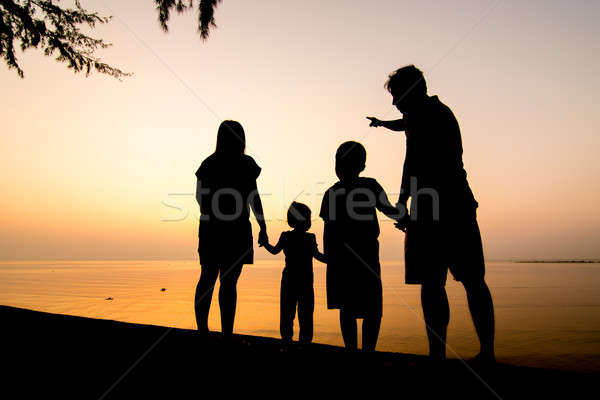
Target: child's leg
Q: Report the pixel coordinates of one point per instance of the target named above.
(287, 309)
(349, 332)
(370, 331)
(306, 307)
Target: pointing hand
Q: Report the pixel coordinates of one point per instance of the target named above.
(375, 122)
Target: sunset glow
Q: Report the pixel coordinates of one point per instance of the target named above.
(94, 168)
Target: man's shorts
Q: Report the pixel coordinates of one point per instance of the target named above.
(431, 248)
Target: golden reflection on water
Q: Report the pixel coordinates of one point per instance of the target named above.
(547, 314)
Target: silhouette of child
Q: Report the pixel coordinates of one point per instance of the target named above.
(299, 247)
(351, 246)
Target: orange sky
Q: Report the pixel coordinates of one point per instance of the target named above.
(88, 166)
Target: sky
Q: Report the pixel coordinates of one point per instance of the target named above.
(96, 168)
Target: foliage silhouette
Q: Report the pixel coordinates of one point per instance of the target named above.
(206, 13)
(55, 29)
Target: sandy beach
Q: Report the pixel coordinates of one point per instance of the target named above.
(61, 356)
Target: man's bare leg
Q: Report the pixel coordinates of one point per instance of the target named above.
(482, 312)
(436, 311)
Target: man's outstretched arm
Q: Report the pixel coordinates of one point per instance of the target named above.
(395, 125)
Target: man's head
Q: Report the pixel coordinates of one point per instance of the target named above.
(407, 87)
(350, 160)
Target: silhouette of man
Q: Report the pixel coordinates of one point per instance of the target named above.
(442, 231)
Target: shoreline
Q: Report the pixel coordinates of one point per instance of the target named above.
(557, 262)
(110, 359)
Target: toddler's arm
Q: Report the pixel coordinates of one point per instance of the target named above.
(273, 249)
(320, 256)
(317, 254)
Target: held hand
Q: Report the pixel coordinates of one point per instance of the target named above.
(402, 222)
(401, 225)
(263, 238)
(375, 122)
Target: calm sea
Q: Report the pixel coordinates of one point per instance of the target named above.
(547, 314)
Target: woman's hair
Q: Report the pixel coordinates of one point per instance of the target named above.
(406, 79)
(298, 216)
(231, 139)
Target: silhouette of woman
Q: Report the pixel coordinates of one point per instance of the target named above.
(226, 189)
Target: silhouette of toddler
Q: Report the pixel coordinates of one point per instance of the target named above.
(299, 247)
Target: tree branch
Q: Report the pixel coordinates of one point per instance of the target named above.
(41, 23)
(206, 13)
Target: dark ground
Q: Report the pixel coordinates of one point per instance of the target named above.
(57, 356)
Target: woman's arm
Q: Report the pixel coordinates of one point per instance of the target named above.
(257, 209)
(199, 193)
(395, 125)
